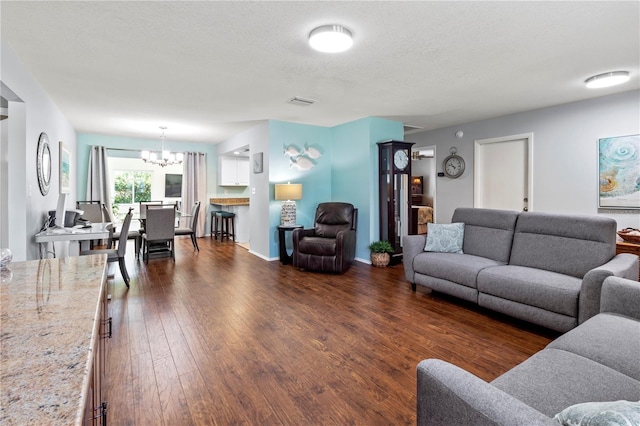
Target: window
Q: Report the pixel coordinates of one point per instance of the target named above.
(131, 187)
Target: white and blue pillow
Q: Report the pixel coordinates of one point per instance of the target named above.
(445, 238)
(609, 413)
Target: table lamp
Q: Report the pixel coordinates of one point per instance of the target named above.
(288, 193)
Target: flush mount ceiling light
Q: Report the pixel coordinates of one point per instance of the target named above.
(331, 39)
(607, 79)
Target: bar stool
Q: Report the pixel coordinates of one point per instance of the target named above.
(226, 219)
(213, 229)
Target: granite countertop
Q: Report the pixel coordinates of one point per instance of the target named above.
(229, 201)
(49, 318)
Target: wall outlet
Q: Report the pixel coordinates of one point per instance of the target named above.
(253, 191)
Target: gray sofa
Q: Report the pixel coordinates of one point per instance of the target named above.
(595, 362)
(543, 268)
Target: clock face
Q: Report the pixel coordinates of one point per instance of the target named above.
(453, 166)
(401, 159)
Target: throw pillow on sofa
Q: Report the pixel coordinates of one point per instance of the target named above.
(445, 238)
(608, 413)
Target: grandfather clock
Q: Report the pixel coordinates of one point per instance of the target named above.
(394, 169)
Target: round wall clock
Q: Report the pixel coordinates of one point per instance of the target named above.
(43, 164)
(453, 165)
(401, 159)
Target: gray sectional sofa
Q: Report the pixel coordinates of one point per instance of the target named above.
(544, 268)
(596, 362)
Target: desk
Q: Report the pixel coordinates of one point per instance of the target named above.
(78, 238)
(285, 258)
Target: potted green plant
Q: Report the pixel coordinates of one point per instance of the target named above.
(380, 253)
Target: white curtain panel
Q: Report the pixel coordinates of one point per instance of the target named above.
(98, 186)
(194, 186)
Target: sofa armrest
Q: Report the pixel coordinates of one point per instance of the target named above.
(412, 245)
(449, 395)
(624, 265)
(300, 233)
(621, 296)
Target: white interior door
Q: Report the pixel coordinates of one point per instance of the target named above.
(502, 168)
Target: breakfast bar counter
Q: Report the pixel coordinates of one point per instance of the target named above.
(239, 206)
(229, 201)
(51, 352)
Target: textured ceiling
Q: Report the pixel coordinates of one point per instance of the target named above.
(208, 70)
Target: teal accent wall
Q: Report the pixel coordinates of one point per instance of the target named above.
(347, 171)
(355, 172)
(316, 181)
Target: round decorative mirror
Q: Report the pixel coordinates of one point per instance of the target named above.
(44, 164)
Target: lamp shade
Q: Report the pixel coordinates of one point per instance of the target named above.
(288, 191)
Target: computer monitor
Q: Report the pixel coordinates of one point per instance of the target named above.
(60, 210)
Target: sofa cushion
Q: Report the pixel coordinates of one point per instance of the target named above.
(459, 268)
(608, 339)
(552, 380)
(608, 413)
(487, 232)
(543, 289)
(444, 238)
(532, 314)
(567, 244)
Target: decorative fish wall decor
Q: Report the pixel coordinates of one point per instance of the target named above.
(291, 151)
(301, 163)
(302, 159)
(311, 152)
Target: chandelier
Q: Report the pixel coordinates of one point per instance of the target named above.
(162, 158)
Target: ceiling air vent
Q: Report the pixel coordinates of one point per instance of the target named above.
(408, 129)
(301, 101)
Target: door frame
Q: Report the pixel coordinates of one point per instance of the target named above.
(433, 174)
(477, 145)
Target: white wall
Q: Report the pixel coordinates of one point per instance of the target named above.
(28, 206)
(565, 154)
(257, 138)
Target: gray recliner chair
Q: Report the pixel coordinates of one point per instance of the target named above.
(330, 246)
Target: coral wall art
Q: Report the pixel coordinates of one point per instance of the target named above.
(619, 172)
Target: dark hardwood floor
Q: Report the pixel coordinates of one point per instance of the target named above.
(223, 337)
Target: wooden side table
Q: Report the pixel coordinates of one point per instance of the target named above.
(627, 247)
(285, 258)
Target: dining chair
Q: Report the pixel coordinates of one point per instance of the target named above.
(159, 231)
(191, 230)
(144, 205)
(115, 234)
(92, 210)
(117, 254)
(92, 213)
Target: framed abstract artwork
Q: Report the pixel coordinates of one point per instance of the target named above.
(65, 170)
(257, 163)
(619, 172)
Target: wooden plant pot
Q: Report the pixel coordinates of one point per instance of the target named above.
(380, 260)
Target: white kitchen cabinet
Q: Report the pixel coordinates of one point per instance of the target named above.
(234, 171)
